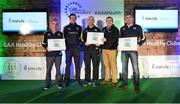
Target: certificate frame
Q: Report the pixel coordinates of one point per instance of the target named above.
(95, 37)
(56, 44)
(128, 44)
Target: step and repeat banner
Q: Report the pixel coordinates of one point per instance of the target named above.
(157, 57)
(34, 68)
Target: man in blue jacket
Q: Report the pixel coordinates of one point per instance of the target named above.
(72, 34)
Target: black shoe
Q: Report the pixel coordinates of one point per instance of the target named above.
(86, 83)
(79, 83)
(95, 84)
(46, 87)
(66, 83)
(122, 87)
(136, 89)
(59, 86)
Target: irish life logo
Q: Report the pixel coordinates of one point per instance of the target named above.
(12, 68)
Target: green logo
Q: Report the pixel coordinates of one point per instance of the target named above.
(12, 68)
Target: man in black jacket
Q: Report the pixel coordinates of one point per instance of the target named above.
(131, 30)
(52, 56)
(72, 34)
(91, 52)
(110, 51)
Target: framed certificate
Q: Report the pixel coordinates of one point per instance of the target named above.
(56, 44)
(95, 37)
(127, 44)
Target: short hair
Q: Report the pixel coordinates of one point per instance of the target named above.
(54, 19)
(129, 14)
(109, 17)
(72, 14)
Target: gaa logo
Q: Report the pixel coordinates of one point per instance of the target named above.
(73, 7)
(76, 8)
(12, 68)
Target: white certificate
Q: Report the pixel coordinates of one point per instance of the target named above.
(127, 44)
(95, 37)
(56, 44)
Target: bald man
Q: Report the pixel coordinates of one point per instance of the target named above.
(91, 52)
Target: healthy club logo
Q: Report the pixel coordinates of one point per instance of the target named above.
(12, 68)
(144, 67)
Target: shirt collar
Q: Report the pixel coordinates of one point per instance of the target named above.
(72, 24)
(54, 32)
(129, 27)
(91, 27)
(110, 27)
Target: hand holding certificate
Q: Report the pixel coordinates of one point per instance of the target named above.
(127, 44)
(56, 44)
(95, 37)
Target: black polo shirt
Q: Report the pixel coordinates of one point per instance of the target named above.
(50, 35)
(88, 29)
(72, 34)
(133, 31)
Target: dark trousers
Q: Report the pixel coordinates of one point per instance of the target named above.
(75, 53)
(91, 54)
(125, 56)
(49, 64)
